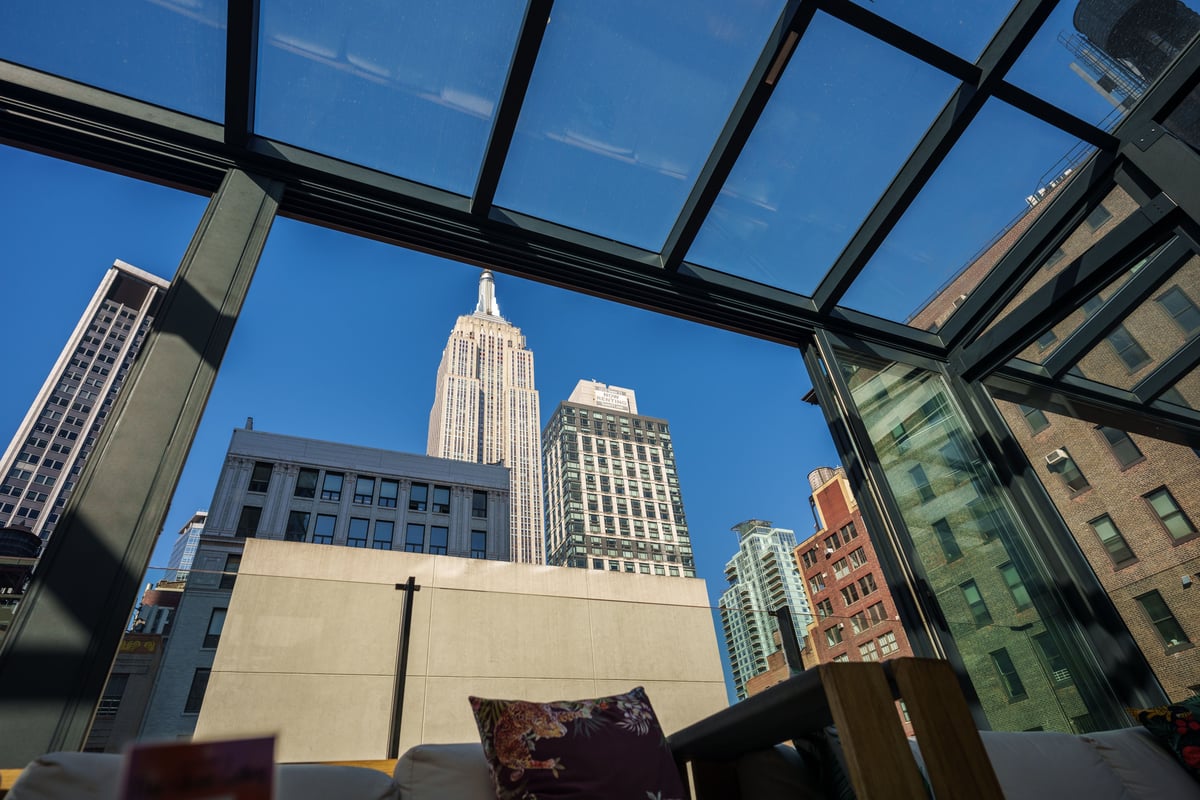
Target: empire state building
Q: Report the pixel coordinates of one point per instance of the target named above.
(486, 410)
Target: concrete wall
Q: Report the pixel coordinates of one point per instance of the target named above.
(309, 647)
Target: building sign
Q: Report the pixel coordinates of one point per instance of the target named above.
(613, 400)
(139, 644)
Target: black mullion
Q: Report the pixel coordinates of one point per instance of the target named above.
(1117, 308)
(740, 124)
(1022, 24)
(1049, 113)
(1063, 293)
(1172, 165)
(504, 124)
(902, 39)
(1063, 212)
(1169, 372)
(1162, 95)
(241, 70)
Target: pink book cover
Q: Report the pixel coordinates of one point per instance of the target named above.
(242, 769)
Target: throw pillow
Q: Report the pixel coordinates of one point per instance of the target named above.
(1178, 727)
(609, 747)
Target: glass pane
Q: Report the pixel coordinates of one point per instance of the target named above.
(406, 88)
(167, 52)
(1150, 334)
(815, 163)
(963, 28)
(1096, 58)
(625, 104)
(912, 423)
(977, 196)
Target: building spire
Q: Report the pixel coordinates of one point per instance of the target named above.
(487, 295)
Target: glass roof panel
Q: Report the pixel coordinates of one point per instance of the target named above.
(167, 52)
(405, 88)
(1150, 333)
(979, 193)
(816, 163)
(963, 28)
(625, 104)
(1096, 58)
(1185, 393)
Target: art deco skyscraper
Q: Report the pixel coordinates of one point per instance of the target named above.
(45, 457)
(612, 492)
(486, 410)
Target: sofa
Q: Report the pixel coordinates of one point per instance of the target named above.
(845, 710)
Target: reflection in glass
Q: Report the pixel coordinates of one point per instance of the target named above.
(991, 590)
(977, 199)
(405, 88)
(816, 163)
(167, 52)
(625, 104)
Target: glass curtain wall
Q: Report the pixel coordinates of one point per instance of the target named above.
(988, 598)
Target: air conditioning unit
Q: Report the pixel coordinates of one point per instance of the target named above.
(1056, 457)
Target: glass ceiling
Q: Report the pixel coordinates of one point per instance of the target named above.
(756, 138)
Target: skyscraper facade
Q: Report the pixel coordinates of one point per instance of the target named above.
(763, 576)
(47, 453)
(485, 410)
(612, 490)
(183, 552)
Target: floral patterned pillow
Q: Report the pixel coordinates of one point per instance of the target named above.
(1178, 727)
(611, 747)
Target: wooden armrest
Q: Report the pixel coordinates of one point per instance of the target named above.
(7, 778)
(385, 765)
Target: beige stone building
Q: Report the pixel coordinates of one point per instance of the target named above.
(485, 410)
(309, 649)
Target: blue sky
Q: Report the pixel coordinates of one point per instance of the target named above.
(340, 337)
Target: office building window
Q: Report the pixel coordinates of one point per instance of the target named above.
(888, 643)
(479, 544)
(479, 504)
(1128, 349)
(1052, 657)
(978, 608)
(364, 491)
(921, 483)
(833, 635)
(866, 584)
(1098, 217)
(841, 568)
(824, 608)
(216, 621)
(247, 525)
(356, 533)
(323, 529)
(195, 696)
(1060, 462)
(384, 528)
(849, 532)
(1114, 543)
(877, 613)
(1009, 678)
(1016, 587)
(439, 536)
(1170, 514)
(260, 478)
(114, 690)
(306, 483)
(414, 538)
(233, 561)
(418, 497)
(869, 651)
(850, 594)
(331, 489)
(441, 499)
(1035, 418)
(297, 526)
(388, 492)
(1160, 616)
(1047, 339)
(858, 557)
(1181, 309)
(950, 548)
(1123, 448)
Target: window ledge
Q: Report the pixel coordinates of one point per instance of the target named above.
(1189, 538)
(1178, 648)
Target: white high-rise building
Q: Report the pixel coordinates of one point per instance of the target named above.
(183, 552)
(763, 575)
(486, 410)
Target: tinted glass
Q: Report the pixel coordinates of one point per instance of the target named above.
(963, 28)
(815, 163)
(406, 88)
(167, 52)
(625, 104)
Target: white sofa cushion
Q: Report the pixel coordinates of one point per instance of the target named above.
(95, 776)
(1148, 771)
(450, 771)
